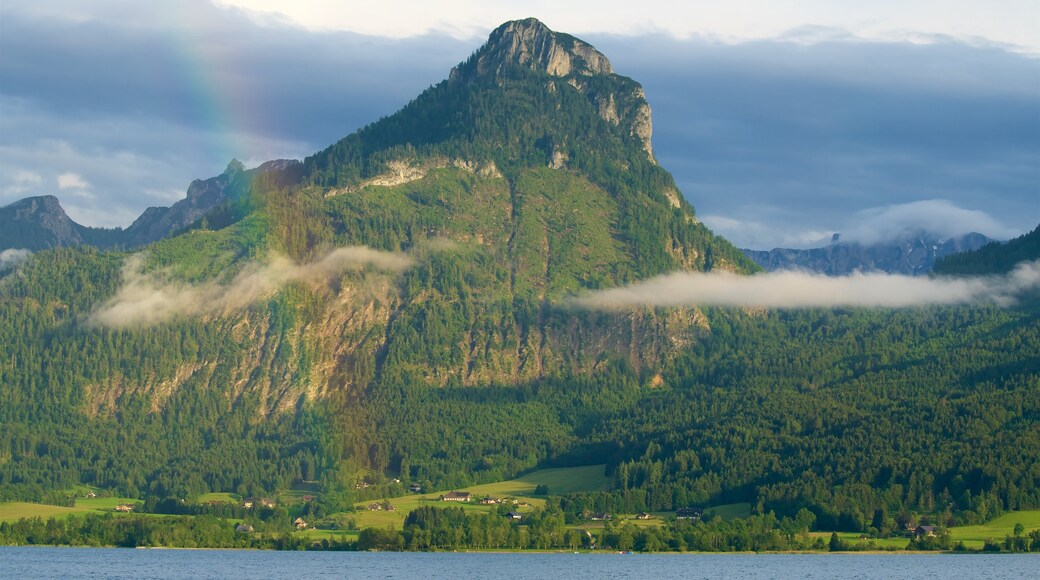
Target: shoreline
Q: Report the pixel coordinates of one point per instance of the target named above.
(543, 552)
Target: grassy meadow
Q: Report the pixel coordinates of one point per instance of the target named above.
(13, 511)
(559, 481)
(996, 529)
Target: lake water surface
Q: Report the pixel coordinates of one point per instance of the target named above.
(49, 562)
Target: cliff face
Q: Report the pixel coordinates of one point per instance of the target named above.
(530, 44)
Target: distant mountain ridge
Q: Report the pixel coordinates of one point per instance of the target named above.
(913, 254)
(39, 223)
(992, 258)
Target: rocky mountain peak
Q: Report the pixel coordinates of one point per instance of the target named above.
(530, 44)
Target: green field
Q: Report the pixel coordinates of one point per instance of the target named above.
(996, 529)
(104, 504)
(291, 496)
(559, 481)
(565, 480)
(13, 511)
(973, 536)
(405, 504)
(219, 498)
(319, 535)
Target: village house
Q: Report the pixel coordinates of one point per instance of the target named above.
(300, 524)
(688, 513)
(514, 516)
(374, 507)
(643, 516)
(415, 488)
(456, 496)
(600, 517)
(488, 500)
(244, 529)
(124, 507)
(248, 503)
(925, 531)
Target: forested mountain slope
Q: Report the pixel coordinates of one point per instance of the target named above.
(524, 178)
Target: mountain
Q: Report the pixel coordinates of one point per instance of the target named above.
(913, 254)
(398, 308)
(37, 223)
(203, 197)
(521, 180)
(992, 258)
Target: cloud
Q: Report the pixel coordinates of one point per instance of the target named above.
(1008, 22)
(937, 216)
(19, 182)
(12, 257)
(776, 233)
(803, 290)
(765, 227)
(71, 181)
(144, 299)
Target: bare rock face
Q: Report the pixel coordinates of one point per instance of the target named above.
(532, 45)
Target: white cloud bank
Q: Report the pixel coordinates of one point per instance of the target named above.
(145, 300)
(1009, 22)
(804, 290)
(936, 216)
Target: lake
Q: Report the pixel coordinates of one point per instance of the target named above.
(52, 562)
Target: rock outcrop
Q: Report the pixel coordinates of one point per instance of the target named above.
(531, 45)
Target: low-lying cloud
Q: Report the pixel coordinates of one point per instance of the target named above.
(935, 216)
(12, 257)
(145, 299)
(804, 290)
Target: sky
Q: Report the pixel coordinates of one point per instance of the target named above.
(782, 121)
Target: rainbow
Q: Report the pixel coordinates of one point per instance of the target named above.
(215, 100)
